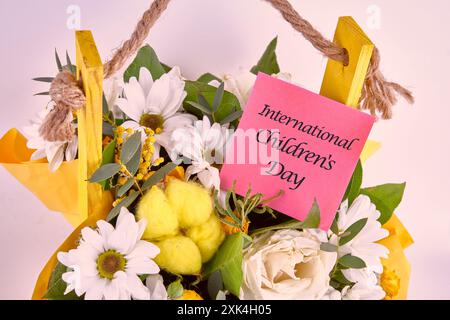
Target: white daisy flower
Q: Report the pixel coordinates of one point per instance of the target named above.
(155, 105)
(108, 261)
(363, 245)
(55, 151)
(366, 285)
(204, 144)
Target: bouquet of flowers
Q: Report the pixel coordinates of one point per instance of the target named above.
(172, 232)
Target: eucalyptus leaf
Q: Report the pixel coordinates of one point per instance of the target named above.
(105, 172)
(130, 147)
(200, 107)
(175, 290)
(146, 58)
(386, 198)
(268, 62)
(159, 175)
(352, 231)
(57, 286)
(128, 201)
(133, 164)
(328, 247)
(218, 97)
(125, 187)
(232, 117)
(351, 262)
(228, 260)
(354, 186)
(108, 157)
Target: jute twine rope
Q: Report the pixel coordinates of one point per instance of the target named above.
(378, 94)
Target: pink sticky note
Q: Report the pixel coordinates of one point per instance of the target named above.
(294, 140)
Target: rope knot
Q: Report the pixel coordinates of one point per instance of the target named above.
(68, 97)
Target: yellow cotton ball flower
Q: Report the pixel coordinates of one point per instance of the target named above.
(191, 202)
(156, 209)
(181, 218)
(207, 236)
(179, 255)
(190, 295)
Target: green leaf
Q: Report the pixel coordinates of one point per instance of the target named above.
(228, 260)
(195, 89)
(124, 189)
(328, 247)
(175, 290)
(232, 117)
(268, 62)
(352, 231)
(312, 221)
(207, 78)
(351, 262)
(218, 97)
(57, 286)
(146, 58)
(128, 201)
(58, 61)
(386, 198)
(108, 157)
(133, 164)
(158, 175)
(44, 79)
(354, 186)
(130, 147)
(200, 107)
(105, 172)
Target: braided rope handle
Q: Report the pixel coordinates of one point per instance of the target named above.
(378, 95)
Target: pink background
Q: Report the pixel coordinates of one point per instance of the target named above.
(314, 110)
(221, 36)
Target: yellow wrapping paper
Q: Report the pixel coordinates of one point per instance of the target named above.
(396, 266)
(58, 191)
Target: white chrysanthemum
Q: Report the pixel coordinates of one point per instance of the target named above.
(204, 144)
(108, 261)
(366, 285)
(241, 84)
(363, 245)
(155, 105)
(55, 152)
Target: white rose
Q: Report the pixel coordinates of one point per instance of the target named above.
(286, 264)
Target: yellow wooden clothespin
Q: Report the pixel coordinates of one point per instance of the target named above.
(344, 83)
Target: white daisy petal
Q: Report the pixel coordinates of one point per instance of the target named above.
(137, 288)
(145, 80)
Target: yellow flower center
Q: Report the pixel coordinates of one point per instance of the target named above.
(390, 282)
(152, 121)
(109, 262)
